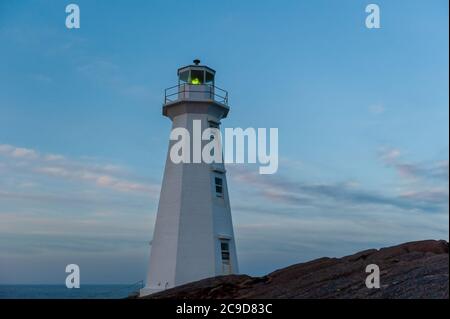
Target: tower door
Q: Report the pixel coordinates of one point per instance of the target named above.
(226, 262)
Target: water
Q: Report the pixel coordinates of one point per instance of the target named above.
(61, 292)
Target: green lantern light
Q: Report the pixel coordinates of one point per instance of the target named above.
(195, 81)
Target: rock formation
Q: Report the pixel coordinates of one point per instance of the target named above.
(411, 270)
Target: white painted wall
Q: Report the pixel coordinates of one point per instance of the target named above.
(191, 219)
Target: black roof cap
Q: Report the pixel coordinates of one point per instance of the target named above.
(197, 65)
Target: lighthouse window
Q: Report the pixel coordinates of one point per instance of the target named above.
(225, 250)
(184, 76)
(197, 77)
(209, 77)
(219, 186)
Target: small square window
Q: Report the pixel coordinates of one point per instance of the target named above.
(224, 245)
(225, 251)
(218, 184)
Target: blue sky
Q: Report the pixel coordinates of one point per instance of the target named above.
(362, 117)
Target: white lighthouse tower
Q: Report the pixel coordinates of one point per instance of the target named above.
(193, 237)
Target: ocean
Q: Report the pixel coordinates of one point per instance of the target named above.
(61, 292)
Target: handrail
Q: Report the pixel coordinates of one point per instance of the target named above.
(181, 90)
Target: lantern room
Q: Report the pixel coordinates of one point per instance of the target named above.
(196, 83)
(196, 74)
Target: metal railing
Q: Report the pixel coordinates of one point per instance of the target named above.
(184, 90)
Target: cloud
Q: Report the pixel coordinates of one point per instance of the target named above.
(72, 170)
(56, 206)
(88, 210)
(389, 155)
(376, 109)
(392, 157)
(17, 152)
(348, 194)
(277, 189)
(432, 195)
(53, 157)
(295, 220)
(126, 186)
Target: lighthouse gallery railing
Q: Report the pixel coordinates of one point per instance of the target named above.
(180, 91)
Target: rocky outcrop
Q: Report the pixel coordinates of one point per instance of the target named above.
(411, 270)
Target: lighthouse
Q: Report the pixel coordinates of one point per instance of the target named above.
(193, 237)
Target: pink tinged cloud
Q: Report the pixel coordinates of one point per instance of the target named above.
(17, 152)
(58, 166)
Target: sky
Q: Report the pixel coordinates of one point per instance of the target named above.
(362, 116)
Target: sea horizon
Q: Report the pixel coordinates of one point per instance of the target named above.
(58, 291)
